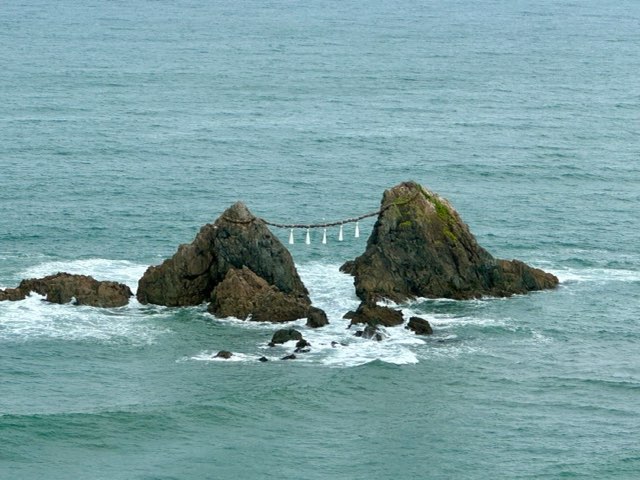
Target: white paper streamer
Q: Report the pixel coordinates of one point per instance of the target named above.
(291, 241)
(307, 240)
(340, 236)
(357, 235)
(324, 237)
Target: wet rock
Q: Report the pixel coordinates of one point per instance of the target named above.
(285, 335)
(243, 294)
(12, 294)
(65, 287)
(224, 354)
(420, 326)
(420, 247)
(316, 318)
(289, 357)
(371, 332)
(238, 265)
(263, 359)
(302, 346)
(373, 314)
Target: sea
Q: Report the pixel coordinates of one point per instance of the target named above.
(127, 125)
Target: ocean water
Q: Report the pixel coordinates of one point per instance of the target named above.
(125, 126)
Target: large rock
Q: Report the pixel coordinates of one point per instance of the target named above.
(243, 294)
(420, 247)
(64, 287)
(230, 262)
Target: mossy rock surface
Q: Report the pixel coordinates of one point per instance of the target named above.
(420, 247)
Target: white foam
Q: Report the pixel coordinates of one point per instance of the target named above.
(596, 275)
(34, 318)
(209, 356)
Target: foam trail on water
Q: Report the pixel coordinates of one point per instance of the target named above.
(34, 318)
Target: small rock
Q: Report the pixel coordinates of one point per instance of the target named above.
(420, 326)
(373, 314)
(316, 318)
(224, 354)
(263, 359)
(302, 343)
(289, 357)
(285, 335)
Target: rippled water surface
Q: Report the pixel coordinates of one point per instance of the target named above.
(125, 126)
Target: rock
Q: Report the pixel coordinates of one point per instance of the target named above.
(420, 326)
(64, 287)
(289, 357)
(371, 332)
(285, 335)
(224, 354)
(263, 359)
(373, 315)
(243, 294)
(302, 346)
(238, 254)
(316, 318)
(12, 294)
(420, 247)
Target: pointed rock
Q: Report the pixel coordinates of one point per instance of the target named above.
(420, 247)
(230, 262)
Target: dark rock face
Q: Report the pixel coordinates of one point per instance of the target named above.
(371, 332)
(289, 357)
(372, 314)
(242, 294)
(420, 247)
(316, 318)
(285, 335)
(12, 294)
(224, 354)
(420, 326)
(238, 264)
(63, 287)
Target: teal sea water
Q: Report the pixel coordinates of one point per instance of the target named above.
(125, 126)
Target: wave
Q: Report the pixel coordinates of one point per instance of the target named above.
(34, 319)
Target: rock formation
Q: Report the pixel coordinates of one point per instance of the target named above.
(285, 335)
(420, 326)
(420, 247)
(239, 266)
(374, 315)
(63, 287)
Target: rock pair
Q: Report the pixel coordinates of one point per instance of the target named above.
(419, 247)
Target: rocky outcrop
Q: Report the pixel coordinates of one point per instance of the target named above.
(243, 294)
(12, 294)
(285, 335)
(65, 287)
(420, 247)
(238, 265)
(316, 318)
(374, 315)
(420, 326)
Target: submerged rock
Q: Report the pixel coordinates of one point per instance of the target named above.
(420, 326)
(289, 357)
(224, 354)
(371, 332)
(65, 287)
(238, 265)
(285, 335)
(420, 247)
